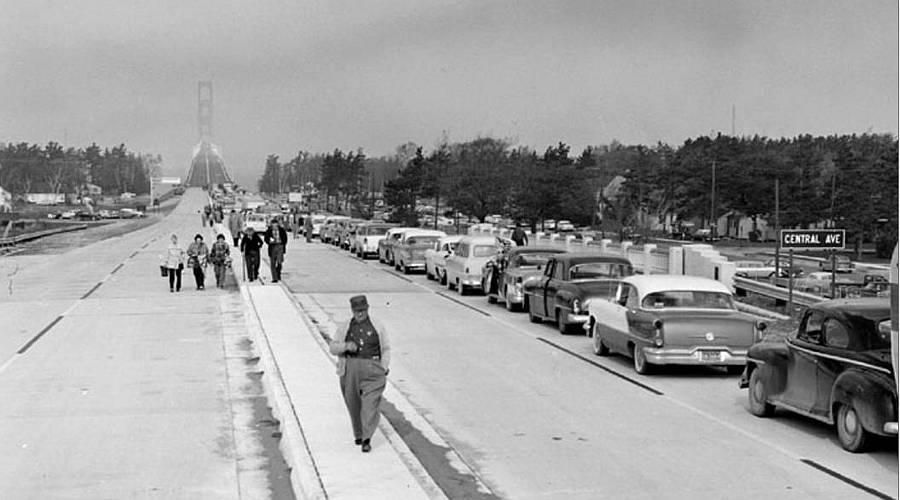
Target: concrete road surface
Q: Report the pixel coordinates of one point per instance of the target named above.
(534, 414)
(113, 387)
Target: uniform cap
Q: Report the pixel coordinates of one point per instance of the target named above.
(359, 303)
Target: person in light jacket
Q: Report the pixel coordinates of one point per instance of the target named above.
(236, 226)
(174, 263)
(364, 358)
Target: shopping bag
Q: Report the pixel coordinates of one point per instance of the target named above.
(164, 271)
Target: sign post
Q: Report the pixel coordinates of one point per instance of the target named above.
(811, 239)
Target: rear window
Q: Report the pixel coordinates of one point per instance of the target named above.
(422, 240)
(692, 299)
(484, 251)
(591, 270)
(376, 231)
(530, 259)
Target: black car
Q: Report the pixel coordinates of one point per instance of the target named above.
(504, 277)
(569, 283)
(835, 368)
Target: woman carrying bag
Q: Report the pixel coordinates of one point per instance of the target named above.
(174, 263)
(198, 255)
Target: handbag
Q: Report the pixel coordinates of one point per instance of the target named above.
(164, 271)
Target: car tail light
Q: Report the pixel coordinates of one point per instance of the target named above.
(759, 330)
(657, 333)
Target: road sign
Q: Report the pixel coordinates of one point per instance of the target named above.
(813, 239)
(170, 180)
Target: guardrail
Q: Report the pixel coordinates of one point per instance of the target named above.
(15, 240)
(776, 292)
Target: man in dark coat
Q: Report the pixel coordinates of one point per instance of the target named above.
(250, 245)
(276, 237)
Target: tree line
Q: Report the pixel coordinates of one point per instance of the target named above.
(31, 168)
(847, 181)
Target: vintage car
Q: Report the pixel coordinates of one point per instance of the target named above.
(436, 258)
(666, 319)
(409, 252)
(317, 221)
(258, 222)
(570, 283)
(329, 227)
(836, 368)
(346, 231)
(504, 277)
(386, 245)
(842, 264)
(463, 267)
(365, 241)
(753, 269)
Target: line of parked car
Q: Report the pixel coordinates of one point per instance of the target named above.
(836, 367)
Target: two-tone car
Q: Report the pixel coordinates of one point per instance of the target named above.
(368, 234)
(409, 251)
(317, 220)
(386, 244)
(667, 319)
(463, 268)
(504, 277)
(835, 368)
(329, 227)
(436, 258)
(570, 283)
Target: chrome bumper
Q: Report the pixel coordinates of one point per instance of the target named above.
(891, 428)
(663, 356)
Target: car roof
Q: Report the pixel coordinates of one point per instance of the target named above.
(479, 240)
(870, 308)
(450, 238)
(423, 232)
(581, 257)
(650, 283)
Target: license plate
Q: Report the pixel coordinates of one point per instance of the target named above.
(710, 356)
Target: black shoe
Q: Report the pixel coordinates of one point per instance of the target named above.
(366, 447)
(357, 441)
(171, 290)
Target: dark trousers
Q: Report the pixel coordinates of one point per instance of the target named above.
(276, 259)
(175, 279)
(252, 265)
(198, 276)
(362, 386)
(236, 239)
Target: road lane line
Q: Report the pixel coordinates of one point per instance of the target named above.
(604, 368)
(851, 482)
(117, 268)
(453, 299)
(39, 335)
(92, 290)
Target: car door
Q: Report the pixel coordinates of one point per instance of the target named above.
(551, 288)
(801, 388)
(617, 332)
(837, 342)
(540, 289)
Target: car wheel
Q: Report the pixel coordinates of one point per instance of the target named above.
(561, 324)
(641, 366)
(534, 318)
(600, 348)
(851, 434)
(758, 395)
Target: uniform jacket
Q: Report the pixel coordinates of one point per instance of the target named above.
(336, 346)
(251, 243)
(174, 256)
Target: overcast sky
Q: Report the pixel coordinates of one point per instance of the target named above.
(325, 74)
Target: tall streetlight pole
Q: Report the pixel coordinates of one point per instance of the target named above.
(712, 203)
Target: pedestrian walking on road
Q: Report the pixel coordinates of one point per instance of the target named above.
(198, 257)
(519, 236)
(250, 245)
(175, 257)
(205, 215)
(236, 226)
(364, 356)
(276, 237)
(220, 258)
(308, 227)
(295, 223)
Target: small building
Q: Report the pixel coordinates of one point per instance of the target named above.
(6, 199)
(45, 198)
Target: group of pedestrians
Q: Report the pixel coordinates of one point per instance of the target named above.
(198, 257)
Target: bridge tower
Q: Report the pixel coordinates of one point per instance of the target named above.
(207, 166)
(204, 110)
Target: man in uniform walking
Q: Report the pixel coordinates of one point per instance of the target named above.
(276, 237)
(364, 356)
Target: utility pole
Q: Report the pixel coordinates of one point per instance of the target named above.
(777, 231)
(732, 120)
(712, 203)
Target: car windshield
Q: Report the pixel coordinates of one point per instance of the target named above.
(422, 240)
(376, 231)
(483, 251)
(591, 270)
(688, 299)
(530, 259)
